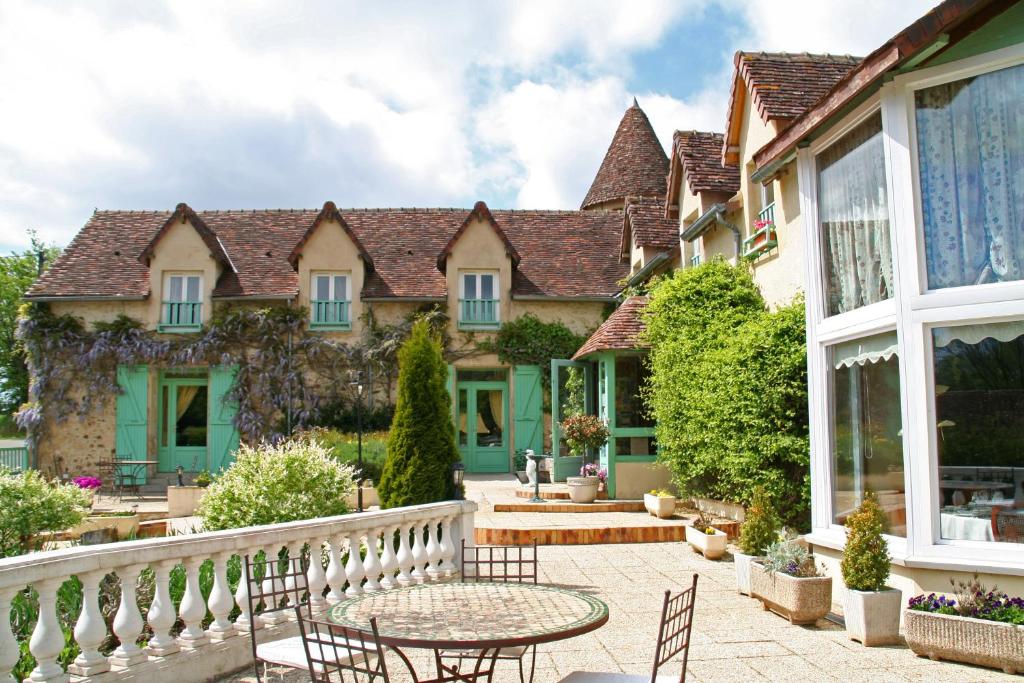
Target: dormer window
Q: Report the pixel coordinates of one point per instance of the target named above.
(330, 301)
(182, 303)
(479, 304)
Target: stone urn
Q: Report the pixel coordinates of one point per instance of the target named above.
(873, 617)
(582, 489)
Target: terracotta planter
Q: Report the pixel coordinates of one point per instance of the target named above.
(582, 489)
(661, 507)
(711, 546)
(873, 617)
(963, 639)
(123, 526)
(742, 562)
(801, 600)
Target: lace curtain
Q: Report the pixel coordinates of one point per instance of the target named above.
(854, 213)
(970, 138)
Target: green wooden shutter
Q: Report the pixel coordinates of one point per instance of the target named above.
(451, 393)
(222, 435)
(131, 413)
(529, 413)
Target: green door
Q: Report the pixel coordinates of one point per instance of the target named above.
(529, 409)
(481, 419)
(223, 435)
(131, 413)
(183, 436)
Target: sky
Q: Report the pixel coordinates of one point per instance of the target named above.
(120, 104)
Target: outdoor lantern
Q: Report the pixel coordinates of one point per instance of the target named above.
(458, 474)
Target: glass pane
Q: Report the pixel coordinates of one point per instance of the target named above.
(323, 288)
(164, 397)
(463, 412)
(630, 376)
(190, 427)
(970, 150)
(175, 289)
(192, 289)
(480, 375)
(469, 286)
(339, 288)
(487, 287)
(635, 445)
(854, 214)
(979, 430)
(867, 448)
(490, 417)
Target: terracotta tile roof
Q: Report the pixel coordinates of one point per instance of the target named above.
(635, 164)
(329, 212)
(785, 84)
(183, 213)
(701, 157)
(645, 223)
(563, 253)
(620, 331)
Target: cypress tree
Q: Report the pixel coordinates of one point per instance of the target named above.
(421, 443)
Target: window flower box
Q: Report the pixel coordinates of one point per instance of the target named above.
(710, 545)
(964, 639)
(762, 241)
(802, 600)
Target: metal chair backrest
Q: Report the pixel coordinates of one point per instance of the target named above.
(1007, 525)
(501, 564)
(334, 649)
(277, 584)
(674, 631)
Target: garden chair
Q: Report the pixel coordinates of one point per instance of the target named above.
(286, 590)
(673, 638)
(1007, 525)
(502, 564)
(334, 649)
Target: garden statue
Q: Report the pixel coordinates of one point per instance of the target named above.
(531, 468)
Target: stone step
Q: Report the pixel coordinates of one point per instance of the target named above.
(580, 536)
(562, 505)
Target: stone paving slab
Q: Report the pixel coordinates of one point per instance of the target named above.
(733, 639)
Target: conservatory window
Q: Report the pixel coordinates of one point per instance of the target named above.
(867, 443)
(979, 430)
(854, 212)
(970, 148)
(631, 377)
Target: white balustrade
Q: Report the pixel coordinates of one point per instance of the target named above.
(272, 582)
(46, 571)
(294, 596)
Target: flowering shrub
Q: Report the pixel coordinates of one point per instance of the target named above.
(88, 483)
(973, 599)
(583, 432)
(592, 469)
(31, 505)
(276, 483)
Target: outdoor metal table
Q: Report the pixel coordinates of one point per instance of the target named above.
(470, 616)
(130, 470)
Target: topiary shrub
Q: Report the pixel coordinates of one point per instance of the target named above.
(866, 560)
(583, 433)
(31, 505)
(269, 484)
(421, 443)
(761, 526)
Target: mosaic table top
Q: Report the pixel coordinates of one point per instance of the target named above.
(452, 615)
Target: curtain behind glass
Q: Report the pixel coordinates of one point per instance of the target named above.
(970, 140)
(854, 213)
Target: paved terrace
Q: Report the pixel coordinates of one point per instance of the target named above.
(733, 639)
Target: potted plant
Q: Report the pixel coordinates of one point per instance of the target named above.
(788, 583)
(582, 433)
(89, 485)
(592, 469)
(872, 609)
(979, 626)
(203, 479)
(760, 529)
(660, 503)
(705, 538)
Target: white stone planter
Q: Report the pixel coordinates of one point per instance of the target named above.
(742, 562)
(711, 546)
(182, 501)
(801, 600)
(661, 507)
(582, 489)
(873, 617)
(124, 525)
(963, 639)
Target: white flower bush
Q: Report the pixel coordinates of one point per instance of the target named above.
(270, 484)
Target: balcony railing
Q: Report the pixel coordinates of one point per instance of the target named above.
(15, 459)
(764, 239)
(478, 312)
(181, 316)
(427, 550)
(333, 315)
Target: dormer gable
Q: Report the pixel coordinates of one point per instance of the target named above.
(184, 214)
(330, 214)
(479, 214)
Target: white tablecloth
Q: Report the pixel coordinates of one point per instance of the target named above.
(966, 528)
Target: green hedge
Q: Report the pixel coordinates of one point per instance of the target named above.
(728, 389)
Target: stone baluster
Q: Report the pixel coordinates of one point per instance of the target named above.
(388, 559)
(404, 556)
(419, 554)
(316, 578)
(447, 567)
(291, 583)
(47, 639)
(161, 616)
(246, 621)
(335, 571)
(128, 622)
(271, 583)
(354, 568)
(9, 653)
(371, 564)
(221, 600)
(90, 629)
(192, 608)
(433, 552)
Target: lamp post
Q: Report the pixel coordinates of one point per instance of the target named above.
(458, 475)
(358, 384)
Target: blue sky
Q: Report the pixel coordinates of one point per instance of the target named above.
(118, 104)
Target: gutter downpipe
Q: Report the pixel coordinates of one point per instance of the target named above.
(715, 214)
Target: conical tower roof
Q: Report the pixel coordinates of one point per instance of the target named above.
(635, 164)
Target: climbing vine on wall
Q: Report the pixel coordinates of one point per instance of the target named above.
(528, 340)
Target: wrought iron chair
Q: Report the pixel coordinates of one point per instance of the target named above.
(673, 638)
(502, 564)
(278, 586)
(333, 649)
(1007, 525)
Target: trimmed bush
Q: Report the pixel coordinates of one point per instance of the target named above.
(270, 484)
(728, 389)
(761, 526)
(31, 505)
(865, 563)
(421, 443)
